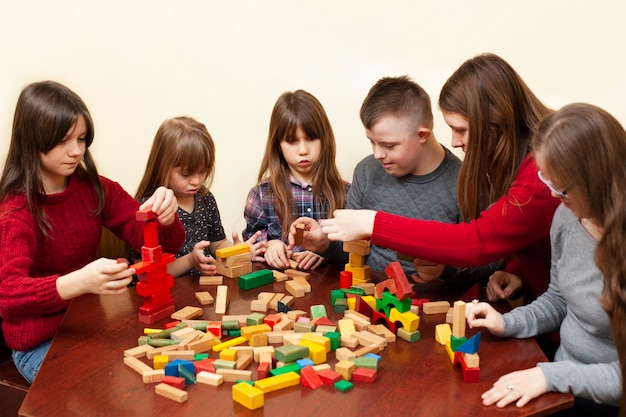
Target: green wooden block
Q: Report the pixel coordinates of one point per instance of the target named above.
(290, 353)
(254, 319)
(455, 342)
(184, 372)
(318, 311)
(256, 279)
(408, 336)
(335, 339)
(365, 362)
(230, 324)
(234, 332)
(292, 367)
(224, 364)
(336, 295)
(343, 385)
(200, 356)
(303, 327)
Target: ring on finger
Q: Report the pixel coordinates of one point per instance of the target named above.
(510, 387)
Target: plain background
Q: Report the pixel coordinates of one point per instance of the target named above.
(136, 63)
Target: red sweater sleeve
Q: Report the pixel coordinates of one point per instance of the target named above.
(516, 221)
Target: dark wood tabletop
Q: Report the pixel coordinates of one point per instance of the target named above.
(84, 373)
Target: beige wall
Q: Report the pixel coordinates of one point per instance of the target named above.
(136, 63)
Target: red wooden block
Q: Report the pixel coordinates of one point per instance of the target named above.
(174, 381)
(143, 267)
(271, 320)
(152, 309)
(388, 285)
(145, 215)
(215, 328)
(153, 318)
(171, 324)
(364, 375)
(403, 288)
(469, 374)
(363, 308)
(149, 289)
(345, 279)
(205, 365)
(263, 370)
(419, 302)
(151, 254)
(329, 377)
(309, 378)
(324, 321)
(151, 234)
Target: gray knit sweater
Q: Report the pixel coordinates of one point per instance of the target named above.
(427, 197)
(586, 363)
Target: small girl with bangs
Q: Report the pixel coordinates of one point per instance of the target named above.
(298, 177)
(183, 157)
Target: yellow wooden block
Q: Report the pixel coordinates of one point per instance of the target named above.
(317, 353)
(450, 351)
(320, 340)
(346, 327)
(410, 321)
(355, 259)
(360, 273)
(149, 331)
(249, 331)
(159, 361)
(232, 250)
(274, 383)
(351, 302)
(240, 340)
(443, 333)
(228, 354)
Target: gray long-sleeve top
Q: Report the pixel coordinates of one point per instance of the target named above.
(586, 363)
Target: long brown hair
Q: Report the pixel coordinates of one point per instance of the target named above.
(292, 110)
(179, 142)
(44, 113)
(502, 114)
(584, 147)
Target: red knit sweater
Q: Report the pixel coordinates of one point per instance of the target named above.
(517, 224)
(30, 305)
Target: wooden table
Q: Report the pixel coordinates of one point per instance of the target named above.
(84, 373)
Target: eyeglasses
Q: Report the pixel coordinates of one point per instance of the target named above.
(559, 193)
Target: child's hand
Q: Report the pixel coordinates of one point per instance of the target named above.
(308, 260)
(201, 262)
(276, 254)
(484, 315)
(502, 285)
(426, 271)
(349, 225)
(257, 249)
(312, 239)
(102, 276)
(520, 386)
(164, 205)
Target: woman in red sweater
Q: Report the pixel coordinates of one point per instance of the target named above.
(53, 205)
(507, 209)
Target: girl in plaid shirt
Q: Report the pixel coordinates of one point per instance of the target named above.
(298, 177)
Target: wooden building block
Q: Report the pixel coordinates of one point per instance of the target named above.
(211, 280)
(209, 378)
(187, 313)
(233, 260)
(172, 393)
(280, 276)
(299, 234)
(233, 375)
(435, 307)
(221, 300)
(248, 396)
(358, 247)
(295, 289)
(274, 383)
(458, 319)
(232, 250)
(204, 298)
(235, 270)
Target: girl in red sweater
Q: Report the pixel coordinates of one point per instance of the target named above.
(508, 211)
(53, 205)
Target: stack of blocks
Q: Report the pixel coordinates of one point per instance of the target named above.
(233, 261)
(461, 351)
(357, 251)
(154, 281)
(390, 304)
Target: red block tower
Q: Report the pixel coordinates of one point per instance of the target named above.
(154, 281)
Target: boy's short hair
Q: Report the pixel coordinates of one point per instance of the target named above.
(400, 97)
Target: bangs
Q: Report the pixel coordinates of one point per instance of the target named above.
(192, 154)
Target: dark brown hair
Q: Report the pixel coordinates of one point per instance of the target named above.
(44, 113)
